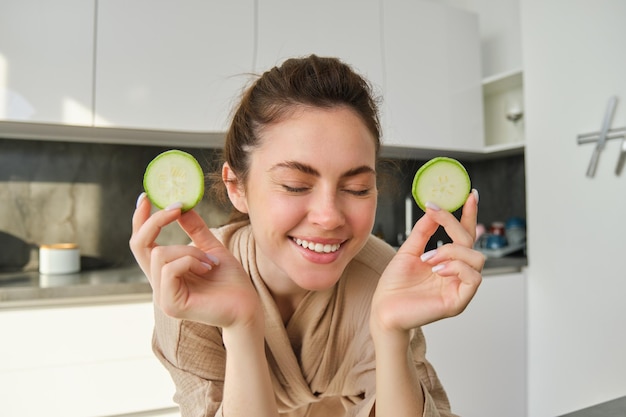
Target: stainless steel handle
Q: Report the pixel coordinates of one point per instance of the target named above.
(622, 158)
(606, 126)
(593, 163)
(592, 137)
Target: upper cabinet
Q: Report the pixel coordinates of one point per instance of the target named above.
(422, 57)
(171, 65)
(500, 34)
(46, 61)
(146, 68)
(349, 29)
(501, 57)
(433, 87)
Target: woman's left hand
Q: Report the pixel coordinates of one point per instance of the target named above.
(418, 288)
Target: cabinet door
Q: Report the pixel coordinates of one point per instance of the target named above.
(433, 90)
(172, 64)
(347, 29)
(480, 355)
(81, 361)
(46, 61)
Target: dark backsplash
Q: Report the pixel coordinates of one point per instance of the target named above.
(85, 193)
(501, 183)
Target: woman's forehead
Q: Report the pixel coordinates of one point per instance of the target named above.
(315, 134)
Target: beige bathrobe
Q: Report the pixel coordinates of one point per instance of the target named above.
(322, 362)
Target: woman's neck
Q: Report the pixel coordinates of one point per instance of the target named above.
(286, 294)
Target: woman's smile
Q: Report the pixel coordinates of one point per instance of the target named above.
(317, 247)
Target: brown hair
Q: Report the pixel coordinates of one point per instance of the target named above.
(309, 81)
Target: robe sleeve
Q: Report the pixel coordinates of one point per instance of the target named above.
(436, 403)
(195, 357)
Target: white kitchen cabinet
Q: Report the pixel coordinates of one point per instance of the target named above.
(500, 34)
(81, 361)
(171, 64)
(433, 83)
(349, 29)
(46, 61)
(480, 355)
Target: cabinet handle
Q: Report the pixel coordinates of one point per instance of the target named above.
(600, 138)
(622, 157)
(592, 137)
(606, 126)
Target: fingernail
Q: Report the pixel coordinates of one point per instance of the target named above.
(428, 255)
(174, 206)
(438, 268)
(212, 258)
(475, 192)
(433, 206)
(140, 199)
(206, 265)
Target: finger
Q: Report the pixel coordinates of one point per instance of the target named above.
(146, 229)
(469, 216)
(449, 252)
(422, 231)
(468, 282)
(467, 275)
(170, 265)
(142, 212)
(199, 232)
(455, 230)
(140, 216)
(163, 255)
(182, 267)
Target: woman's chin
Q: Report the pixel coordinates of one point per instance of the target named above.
(317, 283)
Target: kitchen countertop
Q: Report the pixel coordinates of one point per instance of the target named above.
(124, 284)
(32, 289)
(504, 265)
(613, 408)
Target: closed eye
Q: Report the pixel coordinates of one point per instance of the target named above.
(295, 190)
(359, 193)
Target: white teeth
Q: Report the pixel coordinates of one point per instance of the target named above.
(317, 247)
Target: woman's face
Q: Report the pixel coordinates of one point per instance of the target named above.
(311, 196)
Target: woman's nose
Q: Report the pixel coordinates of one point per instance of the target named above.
(326, 212)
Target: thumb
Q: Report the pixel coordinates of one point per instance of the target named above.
(198, 231)
(423, 230)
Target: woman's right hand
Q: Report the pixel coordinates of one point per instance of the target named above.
(202, 282)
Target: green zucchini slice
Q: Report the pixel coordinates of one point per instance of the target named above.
(174, 176)
(443, 181)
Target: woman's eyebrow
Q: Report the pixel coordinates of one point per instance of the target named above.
(363, 169)
(298, 166)
(308, 169)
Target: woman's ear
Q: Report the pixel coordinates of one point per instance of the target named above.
(235, 189)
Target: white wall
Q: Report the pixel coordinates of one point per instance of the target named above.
(574, 61)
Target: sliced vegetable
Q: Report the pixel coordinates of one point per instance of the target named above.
(443, 181)
(174, 176)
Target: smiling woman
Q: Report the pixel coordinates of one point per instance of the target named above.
(294, 308)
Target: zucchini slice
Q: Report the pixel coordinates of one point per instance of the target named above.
(174, 176)
(443, 181)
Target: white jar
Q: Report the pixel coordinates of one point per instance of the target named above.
(59, 258)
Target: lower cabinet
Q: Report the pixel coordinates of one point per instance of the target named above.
(97, 360)
(82, 361)
(480, 355)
